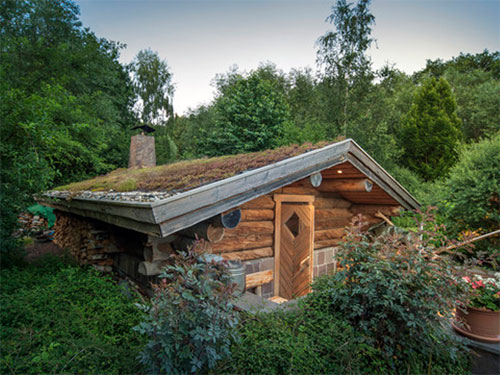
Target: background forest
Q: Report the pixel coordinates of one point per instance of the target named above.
(67, 106)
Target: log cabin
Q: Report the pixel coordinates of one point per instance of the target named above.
(280, 212)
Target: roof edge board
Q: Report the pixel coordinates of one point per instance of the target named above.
(389, 183)
(121, 221)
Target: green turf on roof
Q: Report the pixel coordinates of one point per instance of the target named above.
(186, 175)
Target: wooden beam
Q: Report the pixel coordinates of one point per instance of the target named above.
(348, 184)
(251, 227)
(258, 278)
(263, 252)
(252, 241)
(327, 234)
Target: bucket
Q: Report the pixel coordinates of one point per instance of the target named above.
(237, 274)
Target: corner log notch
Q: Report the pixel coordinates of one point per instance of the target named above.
(157, 251)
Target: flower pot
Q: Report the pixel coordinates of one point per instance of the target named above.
(482, 325)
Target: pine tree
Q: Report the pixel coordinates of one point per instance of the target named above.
(431, 131)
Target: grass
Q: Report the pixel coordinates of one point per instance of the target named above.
(185, 175)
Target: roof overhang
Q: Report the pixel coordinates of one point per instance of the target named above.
(167, 216)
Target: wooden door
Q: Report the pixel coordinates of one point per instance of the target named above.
(294, 245)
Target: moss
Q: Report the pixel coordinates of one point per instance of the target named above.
(129, 184)
(188, 174)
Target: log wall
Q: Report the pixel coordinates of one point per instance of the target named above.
(254, 236)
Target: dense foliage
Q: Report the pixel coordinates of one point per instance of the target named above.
(65, 102)
(470, 196)
(398, 291)
(61, 319)
(190, 322)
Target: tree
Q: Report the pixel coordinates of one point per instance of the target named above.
(250, 115)
(342, 55)
(431, 131)
(153, 87)
(66, 101)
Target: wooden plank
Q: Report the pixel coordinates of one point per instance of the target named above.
(277, 299)
(258, 278)
(293, 198)
(264, 252)
(266, 201)
(249, 242)
(277, 241)
(251, 227)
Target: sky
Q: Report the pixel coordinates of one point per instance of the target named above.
(199, 39)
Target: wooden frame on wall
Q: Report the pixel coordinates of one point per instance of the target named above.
(290, 198)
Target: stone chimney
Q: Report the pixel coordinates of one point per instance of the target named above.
(142, 151)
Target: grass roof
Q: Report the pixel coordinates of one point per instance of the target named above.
(189, 174)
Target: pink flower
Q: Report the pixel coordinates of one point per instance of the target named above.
(466, 278)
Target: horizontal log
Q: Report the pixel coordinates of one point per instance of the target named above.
(151, 268)
(323, 202)
(327, 234)
(258, 278)
(153, 254)
(265, 201)
(184, 243)
(330, 213)
(249, 242)
(204, 230)
(372, 209)
(300, 190)
(332, 223)
(326, 243)
(249, 254)
(257, 215)
(349, 184)
(251, 227)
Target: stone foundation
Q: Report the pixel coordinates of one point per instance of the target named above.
(324, 261)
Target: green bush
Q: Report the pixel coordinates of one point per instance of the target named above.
(309, 340)
(191, 318)
(57, 318)
(399, 293)
(473, 191)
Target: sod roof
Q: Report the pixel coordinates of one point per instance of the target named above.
(189, 174)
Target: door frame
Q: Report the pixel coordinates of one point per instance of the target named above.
(289, 198)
